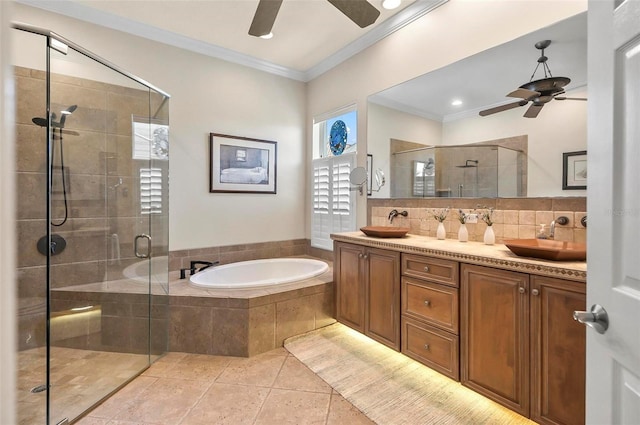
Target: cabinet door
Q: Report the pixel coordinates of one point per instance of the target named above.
(558, 347)
(383, 297)
(350, 289)
(494, 330)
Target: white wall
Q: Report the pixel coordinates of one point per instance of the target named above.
(560, 127)
(8, 306)
(454, 31)
(210, 95)
(385, 124)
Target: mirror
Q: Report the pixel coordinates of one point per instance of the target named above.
(358, 177)
(421, 114)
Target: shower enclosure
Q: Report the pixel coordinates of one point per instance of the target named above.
(463, 171)
(92, 224)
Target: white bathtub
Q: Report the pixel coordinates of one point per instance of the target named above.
(258, 273)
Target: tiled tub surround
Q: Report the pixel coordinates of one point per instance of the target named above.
(238, 322)
(246, 322)
(514, 218)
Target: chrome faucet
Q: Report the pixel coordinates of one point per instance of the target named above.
(394, 213)
(552, 228)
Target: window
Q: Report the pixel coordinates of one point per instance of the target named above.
(333, 200)
(151, 190)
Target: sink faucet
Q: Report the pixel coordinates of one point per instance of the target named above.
(552, 228)
(394, 213)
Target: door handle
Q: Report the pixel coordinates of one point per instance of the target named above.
(135, 246)
(597, 318)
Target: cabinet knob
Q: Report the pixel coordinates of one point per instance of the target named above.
(521, 290)
(426, 346)
(360, 255)
(535, 292)
(426, 269)
(365, 256)
(427, 303)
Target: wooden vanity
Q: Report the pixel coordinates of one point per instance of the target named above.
(500, 324)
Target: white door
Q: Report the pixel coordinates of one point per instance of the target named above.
(613, 204)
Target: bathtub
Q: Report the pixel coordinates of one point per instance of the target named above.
(258, 273)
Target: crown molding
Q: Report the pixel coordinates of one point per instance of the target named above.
(84, 13)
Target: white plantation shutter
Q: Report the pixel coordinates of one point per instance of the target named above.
(333, 201)
(151, 190)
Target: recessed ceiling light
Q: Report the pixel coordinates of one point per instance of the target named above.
(456, 102)
(267, 36)
(391, 4)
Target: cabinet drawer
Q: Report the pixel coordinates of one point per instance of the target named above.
(434, 269)
(431, 346)
(431, 302)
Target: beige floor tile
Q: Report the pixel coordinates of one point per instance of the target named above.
(116, 403)
(294, 375)
(197, 367)
(342, 412)
(166, 401)
(260, 370)
(225, 404)
(89, 420)
(294, 407)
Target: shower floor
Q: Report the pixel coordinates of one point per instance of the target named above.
(79, 379)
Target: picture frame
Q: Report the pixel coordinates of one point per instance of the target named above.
(242, 164)
(574, 170)
(369, 174)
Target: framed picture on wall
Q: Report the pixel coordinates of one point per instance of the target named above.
(574, 170)
(241, 164)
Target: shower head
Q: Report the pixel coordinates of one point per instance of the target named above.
(467, 165)
(42, 122)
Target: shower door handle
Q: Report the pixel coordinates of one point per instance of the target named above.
(135, 246)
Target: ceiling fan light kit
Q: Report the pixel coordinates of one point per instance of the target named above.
(538, 92)
(361, 12)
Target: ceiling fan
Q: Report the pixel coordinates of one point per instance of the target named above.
(538, 92)
(359, 11)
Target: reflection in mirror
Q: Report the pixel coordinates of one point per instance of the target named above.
(420, 114)
(358, 176)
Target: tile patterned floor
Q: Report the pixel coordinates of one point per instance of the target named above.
(192, 389)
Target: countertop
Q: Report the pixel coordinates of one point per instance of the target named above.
(497, 255)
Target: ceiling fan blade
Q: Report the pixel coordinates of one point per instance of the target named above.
(533, 111)
(265, 17)
(524, 93)
(502, 108)
(359, 11)
(569, 98)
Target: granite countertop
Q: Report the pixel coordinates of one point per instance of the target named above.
(497, 255)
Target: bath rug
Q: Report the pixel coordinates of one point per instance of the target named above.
(391, 388)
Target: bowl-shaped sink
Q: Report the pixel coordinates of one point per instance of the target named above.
(385, 231)
(548, 249)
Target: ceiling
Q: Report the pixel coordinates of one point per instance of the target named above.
(482, 81)
(310, 36)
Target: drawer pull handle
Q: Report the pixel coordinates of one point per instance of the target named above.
(426, 346)
(427, 303)
(426, 269)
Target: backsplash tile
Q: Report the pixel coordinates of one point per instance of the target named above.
(512, 218)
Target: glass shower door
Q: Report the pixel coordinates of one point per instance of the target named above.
(103, 195)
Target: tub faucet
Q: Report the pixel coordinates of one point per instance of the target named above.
(552, 228)
(193, 269)
(394, 213)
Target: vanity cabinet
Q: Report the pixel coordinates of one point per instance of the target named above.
(430, 312)
(520, 345)
(368, 291)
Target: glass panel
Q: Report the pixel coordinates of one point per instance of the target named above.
(99, 288)
(29, 61)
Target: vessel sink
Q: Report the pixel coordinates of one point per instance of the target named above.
(385, 231)
(548, 249)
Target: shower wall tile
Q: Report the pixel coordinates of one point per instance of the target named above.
(31, 148)
(31, 196)
(32, 95)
